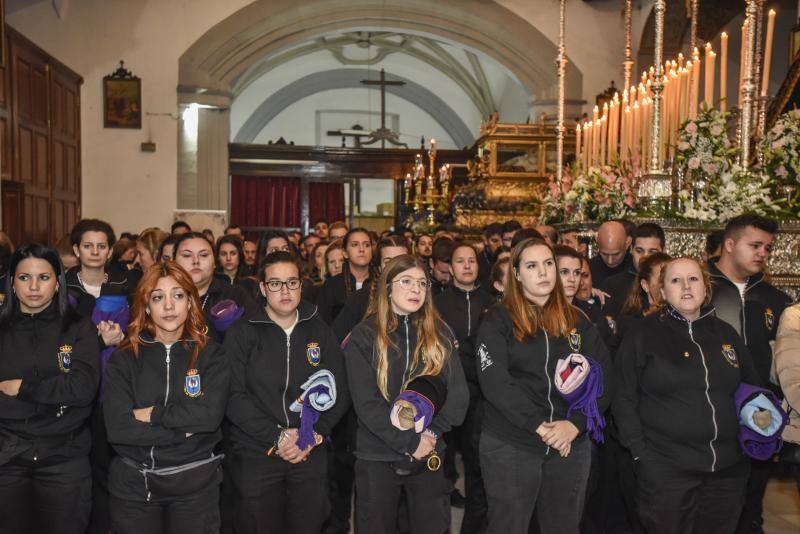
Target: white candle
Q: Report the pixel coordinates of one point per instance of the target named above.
(723, 72)
(578, 143)
(768, 52)
(708, 84)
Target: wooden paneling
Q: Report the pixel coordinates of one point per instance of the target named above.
(40, 136)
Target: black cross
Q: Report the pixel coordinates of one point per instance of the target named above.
(382, 83)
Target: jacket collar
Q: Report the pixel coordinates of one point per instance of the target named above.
(458, 290)
(148, 339)
(305, 311)
(719, 276)
(48, 314)
(670, 311)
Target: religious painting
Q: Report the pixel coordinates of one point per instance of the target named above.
(122, 99)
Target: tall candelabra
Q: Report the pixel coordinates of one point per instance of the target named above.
(429, 192)
(562, 64)
(656, 187)
(748, 85)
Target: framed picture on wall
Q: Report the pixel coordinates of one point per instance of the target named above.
(122, 99)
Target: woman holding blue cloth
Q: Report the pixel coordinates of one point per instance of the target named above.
(678, 373)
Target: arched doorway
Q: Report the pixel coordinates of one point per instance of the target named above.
(211, 69)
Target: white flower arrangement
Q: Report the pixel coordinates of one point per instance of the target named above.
(781, 148)
(734, 192)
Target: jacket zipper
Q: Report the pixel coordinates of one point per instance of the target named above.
(547, 374)
(408, 348)
(286, 385)
(153, 447)
(469, 316)
(708, 398)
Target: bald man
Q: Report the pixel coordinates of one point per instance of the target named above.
(613, 256)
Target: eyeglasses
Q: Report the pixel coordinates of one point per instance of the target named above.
(408, 283)
(277, 285)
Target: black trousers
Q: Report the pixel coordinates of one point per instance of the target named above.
(100, 460)
(275, 496)
(378, 493)
(341, 474)
(56, 499)
(672, 500)
(197, 513)
(517, 481)
(475, 510)
(752, 520)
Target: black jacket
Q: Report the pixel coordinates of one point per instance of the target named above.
(601, 271)
(160, 378)
(618, 286)
(675, 386)
(462, 311)
(755, 318)
(221, 290)
(334, 293)
(352, 312)
(267, 369)
(59, 364)
(376, 437)
(606, 324)
(517, 378)
(118, 283)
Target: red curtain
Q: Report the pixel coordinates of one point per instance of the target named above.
(265, 201)
(325, 201)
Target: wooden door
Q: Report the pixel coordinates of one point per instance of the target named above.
(30, 112)
(6, 148)
(65, 138)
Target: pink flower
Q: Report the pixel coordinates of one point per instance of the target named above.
(683, 146)
(629, 200)
(710, 168)
(716, 130)
(694, 163)
(782, 172)
(691, 128)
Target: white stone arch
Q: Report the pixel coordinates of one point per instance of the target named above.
(210, 67)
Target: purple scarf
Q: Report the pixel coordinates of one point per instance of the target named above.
(423, 410)
(754, 444)
(579, 380)
(308, 417)
(224, 313)
(112, 308)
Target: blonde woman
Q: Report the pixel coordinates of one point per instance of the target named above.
(147, 245)
(401, 338)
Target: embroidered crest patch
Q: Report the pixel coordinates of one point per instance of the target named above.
(191, 384)
(575, 340)
(769, 318)
(483, 354)
(65, 358)
(313, 354)
(730, 355)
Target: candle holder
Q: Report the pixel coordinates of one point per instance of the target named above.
(431, 191)
(655, 190)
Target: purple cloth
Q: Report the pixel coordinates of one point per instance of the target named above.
(224, 313)
(584, 399)
(308, 418)
(423, 409)
(113, 309)
(754, 444)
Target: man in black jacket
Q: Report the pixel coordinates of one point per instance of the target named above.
(648, 238)
(613, 257)
(743, 299)
(461, 306)
(492, 241)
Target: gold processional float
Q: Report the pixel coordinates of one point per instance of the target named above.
(659, 151)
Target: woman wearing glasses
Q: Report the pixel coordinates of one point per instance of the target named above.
(282, 353)
(402, 338)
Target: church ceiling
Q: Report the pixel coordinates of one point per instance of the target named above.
(361, 48)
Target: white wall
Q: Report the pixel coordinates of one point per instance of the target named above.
(132, 189)
(298, 122)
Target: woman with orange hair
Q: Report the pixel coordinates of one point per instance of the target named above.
(166, 392)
